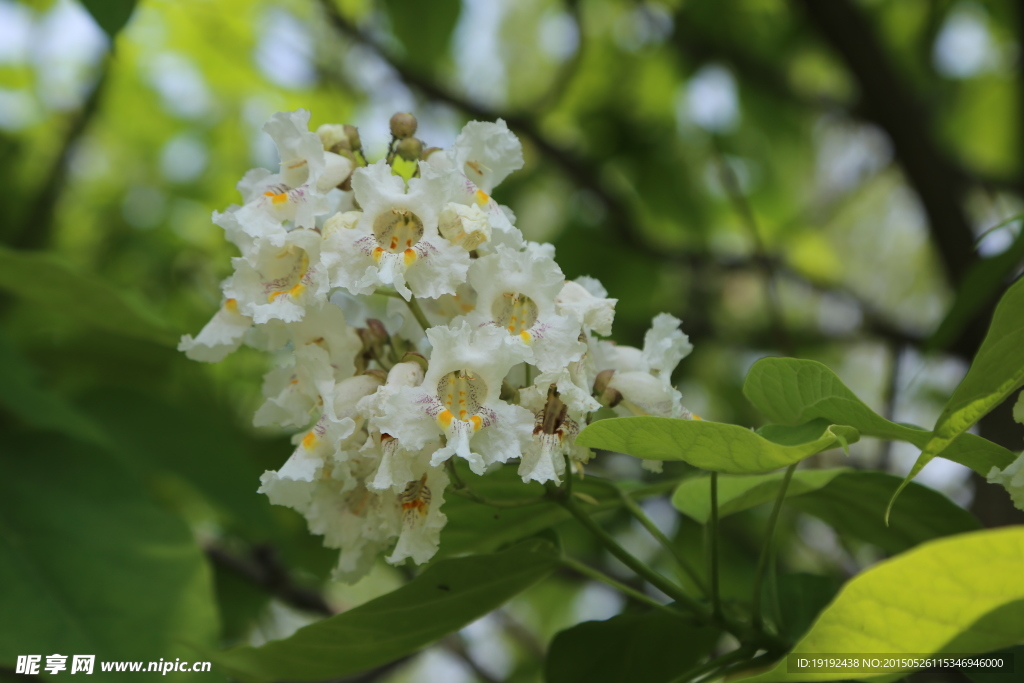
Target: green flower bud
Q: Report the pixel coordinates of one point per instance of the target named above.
(403, 125)
(352, 133)
(409, 149)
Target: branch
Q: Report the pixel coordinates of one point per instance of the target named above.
(582, 171)
(37, 226)
(887, 101)
(265, 570)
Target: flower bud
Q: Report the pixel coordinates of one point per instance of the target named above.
(377, 375)
(333, 137)
(466, 226)
(341, 221)
(413, 357)
(605, 394)
(403, 125)
(352, 133)
(409, 149)
(406, 374)
(373, 335)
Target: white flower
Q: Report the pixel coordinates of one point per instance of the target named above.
(293, 485)
(516, 293)
(422, 519)
(219, 337)
(587, 301)
(324, 349)
(279, 281)
(560, 408)
(460, 398)
(487, 153)
(465, 226)
(1011, 477)
(293, 194)
(395, 240)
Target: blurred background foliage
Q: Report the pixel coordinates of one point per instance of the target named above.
(819, 179)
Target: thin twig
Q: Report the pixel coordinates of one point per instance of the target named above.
(635, 509)
(264, 569)
(639, 567)
(746, 212)
(716, 601)
(596, 575)
(758, 619)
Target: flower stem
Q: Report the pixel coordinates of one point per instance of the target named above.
(596, 575)
(459, 488)
(641, 569)
(713, 665)
(417, 313)
(716, 601)
(762, 561)
(654, 531)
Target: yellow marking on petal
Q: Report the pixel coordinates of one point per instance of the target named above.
(409, 257)
(478, 423)
(273, 296)
(309, 440)
(481, 197)
(296, 290)
(445, 418)
(526, 336)
(462, 414)
(231, 305)
(277, 198)
(377, 253)
(696, 417)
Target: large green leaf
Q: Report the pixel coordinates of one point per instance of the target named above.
(961, 594)
(997, 370)
(45, 280)
(152, 434)
(851, 501)
(984, 278)
(444, 598)
(714, 445)
(792, 391)
(22, 395)
(425, 28)
(654, 647)
(111, 15)
(89, 565)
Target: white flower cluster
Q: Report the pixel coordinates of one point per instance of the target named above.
(1011, 477)
(417, 326)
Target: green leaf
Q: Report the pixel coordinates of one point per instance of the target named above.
(444, 598)
(801, 598)
(45, 280)
(941, 597)
(424, 28)
(111, 15)
(152, 434)
(792, 391)
(742, 492)
(21, 394)
(89, 565)
(982, 281)
(851, 501)
(476, 528)
(714, 445)
(997, 370)
(654, 648)
(992, 676)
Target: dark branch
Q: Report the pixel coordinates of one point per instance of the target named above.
(582, 171)
(887, 101)
(37, 227)
(264, 569)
